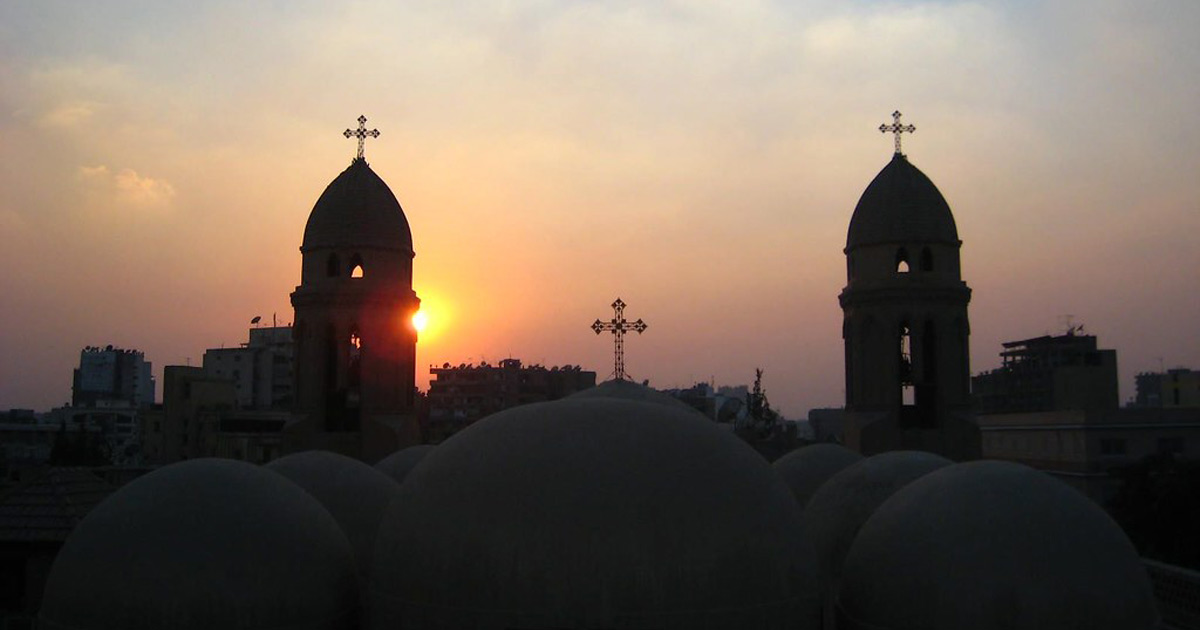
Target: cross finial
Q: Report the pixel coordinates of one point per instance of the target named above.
(897, 129)
(618, 326)
(361, 133)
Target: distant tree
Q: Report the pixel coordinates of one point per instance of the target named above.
(757, 406)
(1158, 506)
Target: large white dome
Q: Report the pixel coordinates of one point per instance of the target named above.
(207, 543)
(593, 513)
(993, 546)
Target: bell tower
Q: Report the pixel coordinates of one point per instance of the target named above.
(904, 321)
(355, 362)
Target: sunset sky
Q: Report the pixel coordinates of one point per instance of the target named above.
(700, 160)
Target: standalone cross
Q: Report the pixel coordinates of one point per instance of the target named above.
(361, 133)
(618, 326)
(897, 129)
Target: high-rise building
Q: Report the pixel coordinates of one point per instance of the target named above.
(1049, 373)
(113, 375)
(261, 369)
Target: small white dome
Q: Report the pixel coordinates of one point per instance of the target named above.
(841, 505)
(993, 546)
(353, 492)
(807, 467)
(206, 543)
(398, 464)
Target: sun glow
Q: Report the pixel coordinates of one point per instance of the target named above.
(420, 320)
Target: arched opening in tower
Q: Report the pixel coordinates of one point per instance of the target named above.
(333, 267)
(926, 260)
(902, 260)
(356, 267)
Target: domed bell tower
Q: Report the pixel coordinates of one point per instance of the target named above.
(355, 365)
(905, 322)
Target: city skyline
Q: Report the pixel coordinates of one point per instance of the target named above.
(701, 162)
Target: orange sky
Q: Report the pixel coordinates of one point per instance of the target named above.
(699, 160)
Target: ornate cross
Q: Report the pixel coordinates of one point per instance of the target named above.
(895, 128)
(361, 133)
(618, 326)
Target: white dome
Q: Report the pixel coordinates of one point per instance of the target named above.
(398, 464)
(353, 492)
(993, 546)
(807, 467)
(593, 513)
(841, 505)
(206, 543)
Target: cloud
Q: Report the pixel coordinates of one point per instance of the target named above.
(125, 187)
(66, 115)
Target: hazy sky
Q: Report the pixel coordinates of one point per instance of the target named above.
(700, 160)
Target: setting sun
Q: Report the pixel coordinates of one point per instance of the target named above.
(420, 321)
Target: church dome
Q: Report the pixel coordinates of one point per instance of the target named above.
(901, 205)
(993, 545)
(628, 390)
(842, 504)
(806, 468)
(357, 210)
(593, 514)
(398, 464)
(353, 492)
(206, 543)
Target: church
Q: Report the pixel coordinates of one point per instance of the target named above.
(611, 508)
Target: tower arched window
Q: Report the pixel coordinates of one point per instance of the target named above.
(926, 260)
(902, 260)
(356, 266)
(333, 267)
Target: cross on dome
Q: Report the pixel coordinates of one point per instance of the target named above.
(896, 128)
(361, 133)
(618, 326)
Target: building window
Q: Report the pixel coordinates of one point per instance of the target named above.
(902, 260)
(1170, 446)
(1112, 446)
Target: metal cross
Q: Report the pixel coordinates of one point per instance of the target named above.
(361, 133)
(618, 326)
(897, 129)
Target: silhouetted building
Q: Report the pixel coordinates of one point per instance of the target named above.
(724, 404)
(261, 369)
(355, 344)
(460, 395)
(1086, 448)
(35, 519)
(186, 424)
(1049, 374)
(114, 375)
(905, 321)
(1179, 387)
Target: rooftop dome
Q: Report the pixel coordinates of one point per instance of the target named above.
(993, 546)
(353, 492)
(628, 390)
(593, 514)
(206, 543)
(398, 464)
(901, 205)
(842, 504)
(807, 467)
(357, 210)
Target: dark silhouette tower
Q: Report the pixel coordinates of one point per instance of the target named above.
(905, 319)
(355, 357)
